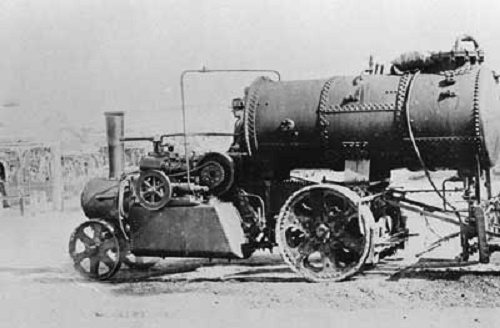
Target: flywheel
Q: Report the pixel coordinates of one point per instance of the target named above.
(324, 234)
(216, 171)
(95, 249)
(154, 189)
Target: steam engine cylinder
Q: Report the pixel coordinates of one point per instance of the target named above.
(453, 117)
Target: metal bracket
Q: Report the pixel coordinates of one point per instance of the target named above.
(447, 94)
(354, 150)
(449, 78)
(357, 161)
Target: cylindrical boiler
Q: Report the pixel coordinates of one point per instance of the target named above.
(452, 116)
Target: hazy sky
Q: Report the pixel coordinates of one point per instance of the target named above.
(79, 58)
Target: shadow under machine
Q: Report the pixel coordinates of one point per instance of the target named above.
(438, 111)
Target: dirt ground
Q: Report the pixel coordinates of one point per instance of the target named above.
(39, 288)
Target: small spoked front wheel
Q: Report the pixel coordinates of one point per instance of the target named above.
(95, 250)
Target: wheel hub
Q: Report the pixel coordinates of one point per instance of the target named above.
(323, 232)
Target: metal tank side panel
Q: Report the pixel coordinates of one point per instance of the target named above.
(208, 230)
(489, 115)
(278, 101)
(441, 112)
(362, 109)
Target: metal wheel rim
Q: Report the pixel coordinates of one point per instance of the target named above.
(319, 250)
(101, 250)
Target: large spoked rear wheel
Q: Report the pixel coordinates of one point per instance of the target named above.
(324, 234)
(95, 250)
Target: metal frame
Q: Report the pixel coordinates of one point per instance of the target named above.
(474, 210)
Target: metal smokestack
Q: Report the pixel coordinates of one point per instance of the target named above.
(116, 149)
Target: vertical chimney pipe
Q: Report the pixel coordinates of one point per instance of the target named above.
(116, 149)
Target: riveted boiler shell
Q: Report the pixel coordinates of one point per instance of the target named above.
(488, 100)
(352, 110)
(313, 123)
(278, 101)
(441, 121)
(451, 122)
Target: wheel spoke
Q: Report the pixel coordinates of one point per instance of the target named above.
(301, 208)
(86, 240)
(340, 223)
(317, 204)
(354, 215)
(108, 244)
(97, 232)
(146, 192)
(352, 243)
(307, 247)
(79, 257)
(94, 265)
(108, 261)
(350, 213)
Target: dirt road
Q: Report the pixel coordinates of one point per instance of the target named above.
(39, 288)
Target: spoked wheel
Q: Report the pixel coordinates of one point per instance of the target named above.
(154, 189)
(95, 250)
(323, 234)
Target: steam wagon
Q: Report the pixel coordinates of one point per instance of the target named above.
(438, 111)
